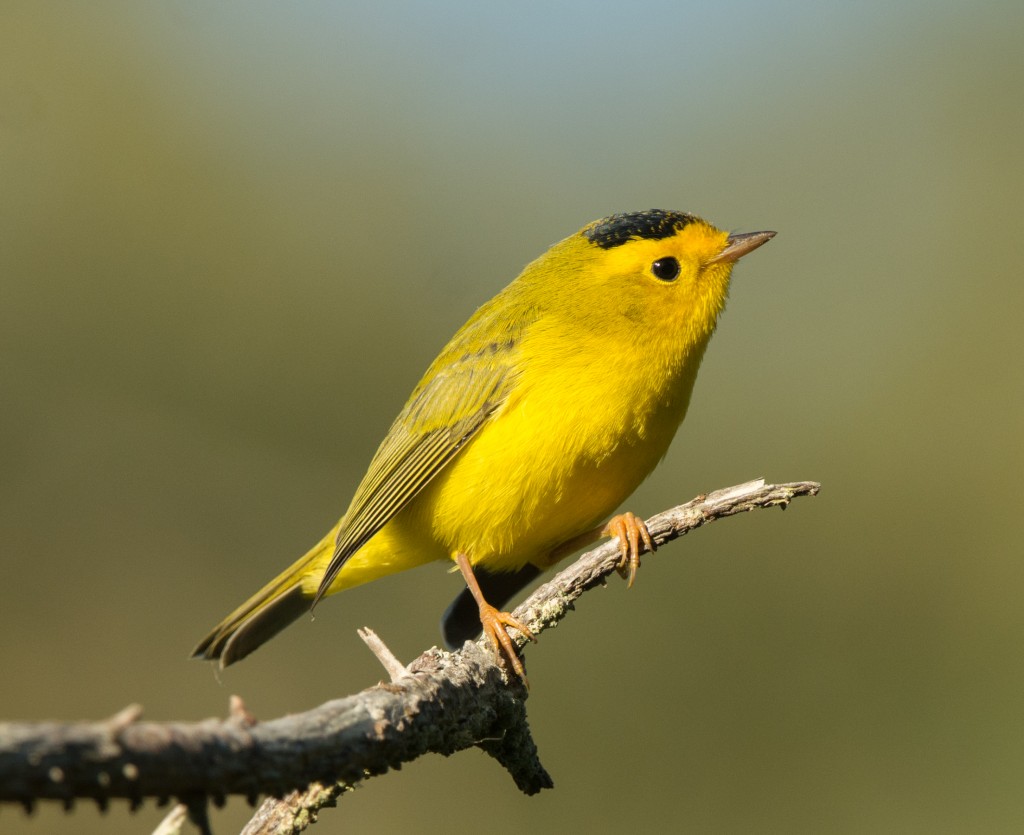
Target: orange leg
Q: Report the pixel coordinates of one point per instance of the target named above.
(494, 622)
(630, 530)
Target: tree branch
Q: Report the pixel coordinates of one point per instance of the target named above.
(442, 703)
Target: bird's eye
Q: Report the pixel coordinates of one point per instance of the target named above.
(665, 269)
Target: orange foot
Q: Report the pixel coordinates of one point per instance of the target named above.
(494, 621)
(630, 530)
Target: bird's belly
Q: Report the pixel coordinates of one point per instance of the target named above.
(522, 486)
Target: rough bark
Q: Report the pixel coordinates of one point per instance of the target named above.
(442, 702)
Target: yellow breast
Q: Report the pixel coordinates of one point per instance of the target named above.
(569, 446)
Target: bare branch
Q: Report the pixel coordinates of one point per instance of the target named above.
(174, 822)
(553, 600)
(442, 703)
(447, 703)
(395, 668)
(293, 812)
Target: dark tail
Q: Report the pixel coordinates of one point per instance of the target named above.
(237, 636)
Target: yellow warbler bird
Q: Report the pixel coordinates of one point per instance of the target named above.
(540, 416)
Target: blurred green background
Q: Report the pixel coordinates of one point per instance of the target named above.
(233, 235)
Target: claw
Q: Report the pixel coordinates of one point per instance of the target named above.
(630, 529)
(494, 622)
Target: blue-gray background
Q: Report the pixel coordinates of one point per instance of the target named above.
(232, 236)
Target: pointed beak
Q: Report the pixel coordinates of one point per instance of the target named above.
(739, 245)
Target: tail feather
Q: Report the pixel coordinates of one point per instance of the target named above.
(284, 599)
(232, 641)
(290, 595)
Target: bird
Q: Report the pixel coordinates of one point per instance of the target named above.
(535, 422)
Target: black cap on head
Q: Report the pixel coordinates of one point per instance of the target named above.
(653, 224)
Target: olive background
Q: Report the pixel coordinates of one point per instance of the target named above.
(232, 236)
